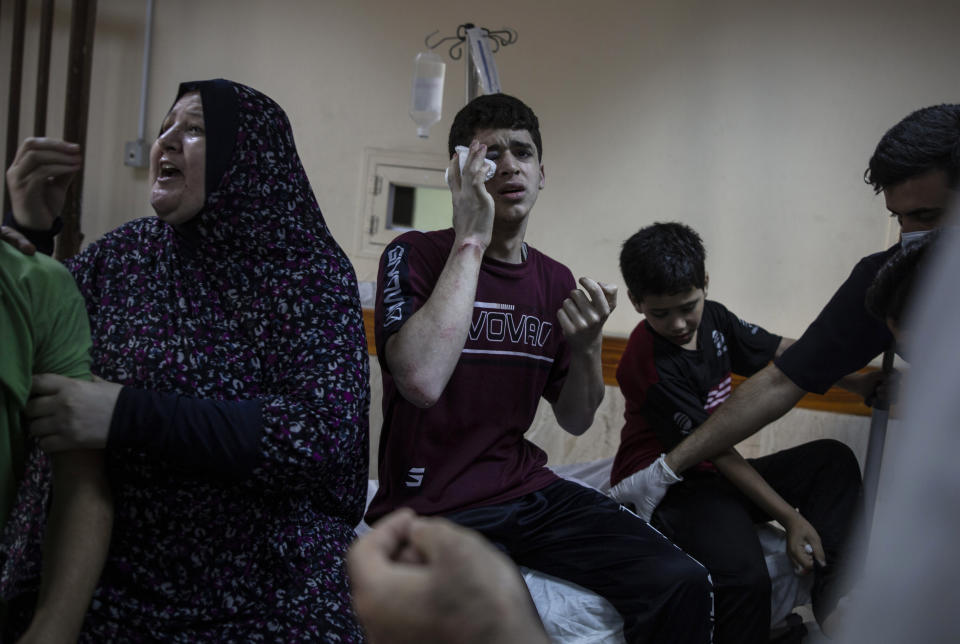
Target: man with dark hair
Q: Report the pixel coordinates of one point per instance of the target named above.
(473, 327)
(675, 371)
(500, 110)
(893, 288)
(914, 515)
(926, 141)
(915, 165)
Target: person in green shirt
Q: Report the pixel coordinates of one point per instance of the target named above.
(44, 329)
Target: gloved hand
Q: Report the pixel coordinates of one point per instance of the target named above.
(646, 488)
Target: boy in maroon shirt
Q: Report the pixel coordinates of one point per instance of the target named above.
(675, 371)
(473, 326)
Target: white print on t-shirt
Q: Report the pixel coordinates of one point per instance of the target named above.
(683, 422)
(718, 394)
(392, 296)
(720, 342)
(493, 305)
(416, 476)
(753, 327)
(502, 326)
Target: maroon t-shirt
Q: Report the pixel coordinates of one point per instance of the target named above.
(468, 449)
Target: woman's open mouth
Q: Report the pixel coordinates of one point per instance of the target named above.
(168, 170)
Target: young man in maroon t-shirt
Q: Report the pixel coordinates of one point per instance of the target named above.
(473, 327)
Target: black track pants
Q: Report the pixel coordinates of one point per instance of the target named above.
(575, 533)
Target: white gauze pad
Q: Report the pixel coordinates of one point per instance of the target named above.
(489, 166)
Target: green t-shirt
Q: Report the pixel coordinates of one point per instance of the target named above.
(43, 329)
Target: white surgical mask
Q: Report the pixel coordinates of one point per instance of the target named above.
(912, 238)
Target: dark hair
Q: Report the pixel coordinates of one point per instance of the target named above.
(889, 294)
(663, 259)
(493, 111)
(926, 140)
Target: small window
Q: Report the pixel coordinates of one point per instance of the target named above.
(405, 191)
(418, 208)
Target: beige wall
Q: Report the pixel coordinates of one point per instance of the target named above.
(752, 120)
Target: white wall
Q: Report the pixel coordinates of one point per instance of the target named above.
(751, 120)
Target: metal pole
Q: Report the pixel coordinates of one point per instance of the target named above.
(145, 74)
(473, 78)
(874, 458)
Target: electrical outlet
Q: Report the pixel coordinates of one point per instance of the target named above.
(136, 154)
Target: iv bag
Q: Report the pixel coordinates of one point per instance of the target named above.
(426, 101)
